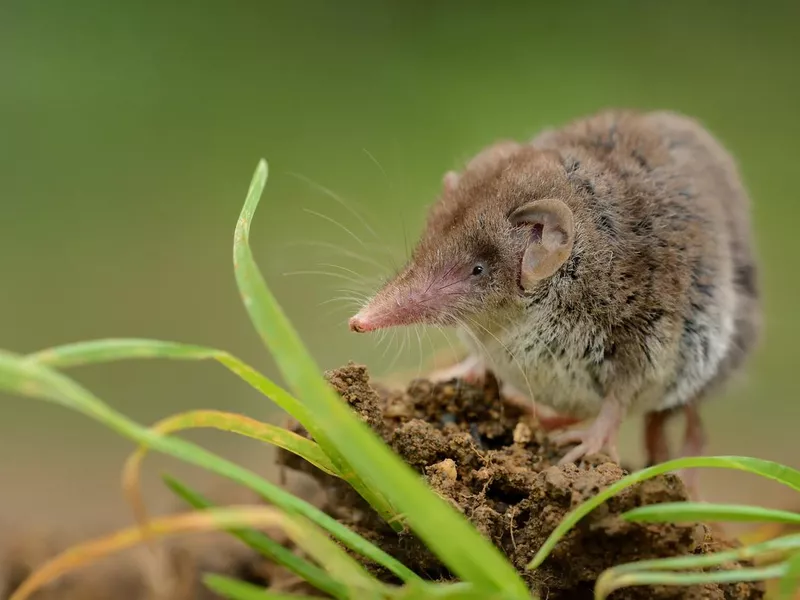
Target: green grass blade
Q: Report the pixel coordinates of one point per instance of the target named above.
(779, 546)
(765, 468)
(233, 589)
(256, 296)
(682, 512)
(466, 553)
(117, 349)
(789, 583)
(98, 351)
(604, 588)
(29, 378)
(266, 546)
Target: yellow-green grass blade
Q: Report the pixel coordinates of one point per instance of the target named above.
(265, 545)
(682, 512)
(226, 422)
(605, 587)
(29, 378)
(99, 351)
(445, 531)
(778, 546)
(764, 468)
(248, 427)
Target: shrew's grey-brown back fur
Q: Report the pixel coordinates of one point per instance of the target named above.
(658, 302)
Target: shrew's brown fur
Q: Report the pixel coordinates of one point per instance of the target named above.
(657, 301)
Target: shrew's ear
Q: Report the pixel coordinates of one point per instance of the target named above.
(551, 234)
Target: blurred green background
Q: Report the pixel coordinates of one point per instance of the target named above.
(129, 132)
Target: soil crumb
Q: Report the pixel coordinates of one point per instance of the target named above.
(494, 464)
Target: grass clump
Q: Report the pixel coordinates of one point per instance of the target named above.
(345, 447)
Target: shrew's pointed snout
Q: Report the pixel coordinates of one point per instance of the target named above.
(359, 324)
(411, 300)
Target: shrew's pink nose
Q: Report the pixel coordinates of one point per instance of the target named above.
(359, 324)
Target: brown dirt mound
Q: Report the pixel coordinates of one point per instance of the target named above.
(493, 463)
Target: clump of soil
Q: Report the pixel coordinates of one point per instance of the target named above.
(493, 463)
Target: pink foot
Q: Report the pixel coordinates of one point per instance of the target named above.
(600, 435)
(472, 370)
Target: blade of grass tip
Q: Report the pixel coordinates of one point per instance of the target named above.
(772, 547)
(226, 422)
(234, 589)
(246, 273)
(789, 583)
(90, 551)
(265, 545)
(29, 378)
(682, 512)
(604, 587)
(465, 552)
(765, 468)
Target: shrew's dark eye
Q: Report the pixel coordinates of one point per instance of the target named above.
(478, 270)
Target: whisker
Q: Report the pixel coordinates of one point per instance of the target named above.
(398, 353)
(511, 354)
(325, 273)
(331, 194)
(335, 222)
(377, 164)
(330, 246)
(345, 269)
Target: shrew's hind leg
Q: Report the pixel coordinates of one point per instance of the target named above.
(694, 444)
(694, 441)
(656, 444)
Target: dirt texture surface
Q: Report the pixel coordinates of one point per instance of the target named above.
(493, 463)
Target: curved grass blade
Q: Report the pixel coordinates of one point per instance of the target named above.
(778, 546)
(252, 288)
(233, 589)
(224, 421)
(88, 552)
(765, 468)
(117, 349)
(265, 545)
(29, 378)
(98, 351)
(789, 583)
(465, 552)
(605, 587)
(682, 512)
